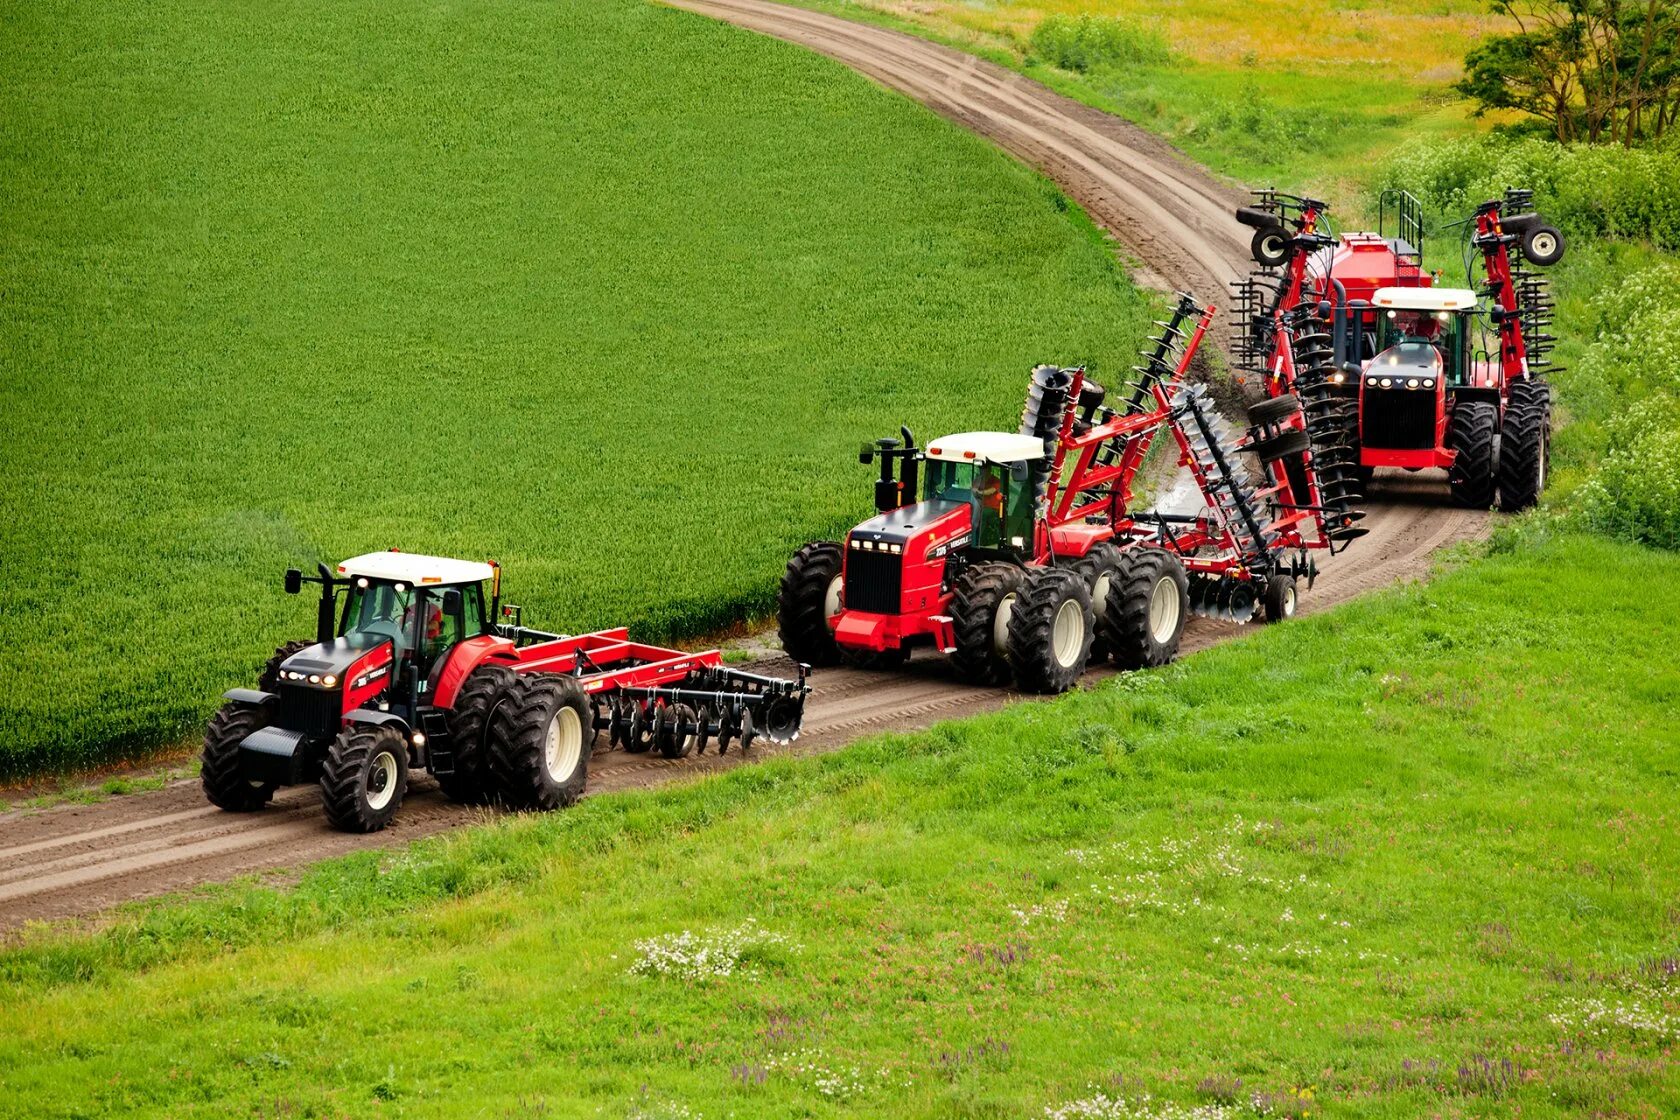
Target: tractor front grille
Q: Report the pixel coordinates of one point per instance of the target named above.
(873, 581)
(1398, 419)
(314, 711)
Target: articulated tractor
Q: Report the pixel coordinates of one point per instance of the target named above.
(416, 669)
(1019, 554)
(1394, 369)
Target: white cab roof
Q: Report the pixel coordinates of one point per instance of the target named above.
(988, 447)
(1425, 299)
(413, 568)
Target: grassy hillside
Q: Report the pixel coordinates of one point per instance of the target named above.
(607, 292)
(1411, 858)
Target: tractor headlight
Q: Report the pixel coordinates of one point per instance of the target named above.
(1386, 382)
(329, 680)
(895, 549)
(1411, 383)
(314, 678)
(1429, 383)
(1337, 378)
(1371, 381)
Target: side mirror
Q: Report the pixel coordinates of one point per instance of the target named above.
(867, 453)
(452, 601)
(294, 581)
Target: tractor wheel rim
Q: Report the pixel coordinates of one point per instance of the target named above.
(381, 780)
(831, 597)
(1067, 634)
(1289, 601)
(1000, 625)
(563, 745)
(1164, 609)
(1099, 596)
(1540, 469)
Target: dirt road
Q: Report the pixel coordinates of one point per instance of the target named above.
(1172, 216)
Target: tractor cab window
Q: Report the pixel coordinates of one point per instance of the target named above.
(379, 610)
(472, 611)
(1000, 495)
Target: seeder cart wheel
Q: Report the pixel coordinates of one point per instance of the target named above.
(1050, 631)
(1281, 599)
(811, 595)
(982, 601)
(537, 753)
(1147, 605)
(364, 778)
(219, 772)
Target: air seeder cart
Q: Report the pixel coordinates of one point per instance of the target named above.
(1020, 556)
(411, 671)
(1393, 370)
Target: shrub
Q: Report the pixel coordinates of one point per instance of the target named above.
(1611, 191)
(1086, 43)
(1635, 494)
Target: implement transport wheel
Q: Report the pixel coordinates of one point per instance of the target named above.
(1269, 246)
(809, 597)
(538, 746)
(1050, 630)
(469, 725)
(1147, 605)
(1471, 477)
(1525, 446)
(364, 778)
(1273, 409)
(1099, 567)
(1281, 599)
(1285, 443)
(219, 770)
(982, 601)
(1543, 244)
(270, 679)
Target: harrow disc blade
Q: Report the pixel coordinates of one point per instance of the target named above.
(782, 719)
(1241, 604)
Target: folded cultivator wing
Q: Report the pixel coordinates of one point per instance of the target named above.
(1022, 555)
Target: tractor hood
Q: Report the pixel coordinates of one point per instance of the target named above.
(935, 521)
(1406, 366)
(334, 657)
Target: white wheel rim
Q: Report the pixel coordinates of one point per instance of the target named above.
(1067, 635)
(563, 745)
(382, 780)
(831, 598)
(1000, 625)
(1544, 244)
(1099, 596)
(1289, 601)
(1540, 479)
(1164, 610)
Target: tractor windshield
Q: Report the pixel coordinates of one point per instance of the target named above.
(999, 493)
(390, 610)
(1447, 331)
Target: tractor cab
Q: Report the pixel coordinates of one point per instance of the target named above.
(992, 473)
(1423, 355)
(1425, 327)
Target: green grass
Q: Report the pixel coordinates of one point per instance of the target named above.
(607, 292)
(1414, 857)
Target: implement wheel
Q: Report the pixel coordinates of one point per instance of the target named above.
(364, 778)
(1525, 446)
(1050, 630)
(1147, 605)
(539, 744)
(1471, 477)
(1273, 409)
(1269, 246)
(469, 726)
(218, 771)
(809, 597)
(1281, 598)
(982, 601)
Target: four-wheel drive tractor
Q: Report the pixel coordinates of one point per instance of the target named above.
(418, 669)
(1394, 370)
(1018, 555)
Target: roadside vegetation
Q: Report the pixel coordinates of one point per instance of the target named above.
(1413, 857)
(486, 284)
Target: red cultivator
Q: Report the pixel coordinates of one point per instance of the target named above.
(1394, 371)
(1021, 557)
(411, 672)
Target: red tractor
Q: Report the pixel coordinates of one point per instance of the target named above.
(1018, 554)
(1394, 370)
(411, 671)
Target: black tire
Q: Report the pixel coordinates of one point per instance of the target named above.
(1273, 409)
(364, 778)
(1471, 477)
(1525, 446)
(270, 678)
(538, 744)
(975, 598)
(1050, 630)
(1099, 567)
(1543, 244)
(1143, 630)
(1281, 599)
(1285, 443)
(1270, 246)
(810, 587)
(469, 725)
(218, 772)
